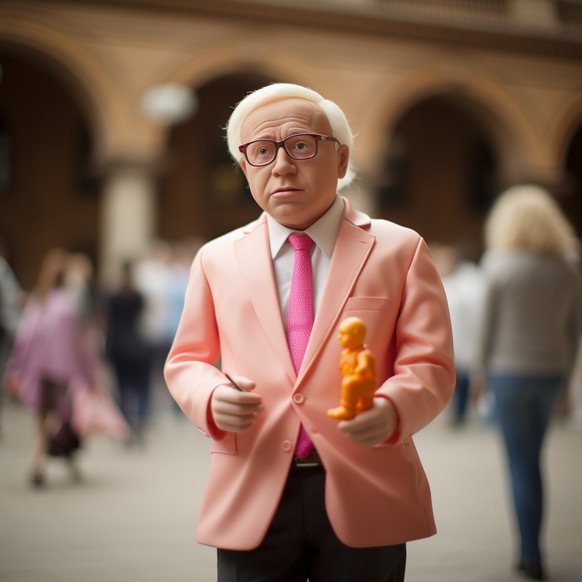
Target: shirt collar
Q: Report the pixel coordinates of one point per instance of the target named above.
(323, 232)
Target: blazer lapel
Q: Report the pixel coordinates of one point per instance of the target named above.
(351, 250)
(256, 267)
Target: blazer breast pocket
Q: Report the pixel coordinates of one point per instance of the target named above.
(379, 315)
(362, 303)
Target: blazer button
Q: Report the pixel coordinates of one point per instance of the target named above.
(298, 398)
(286, 445)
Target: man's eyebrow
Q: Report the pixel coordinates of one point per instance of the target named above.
(260, 137)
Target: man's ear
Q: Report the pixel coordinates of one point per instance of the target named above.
(343, 157)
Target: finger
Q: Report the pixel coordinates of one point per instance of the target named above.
(368, 437)
(233, 418)
(233, 424)
(231, 413)
(235, 409)
(358, 431)
(242, 382)
(234, 396)
(368, 428)
(362, 422)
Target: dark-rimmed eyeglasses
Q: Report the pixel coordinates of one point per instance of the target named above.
(301, 146)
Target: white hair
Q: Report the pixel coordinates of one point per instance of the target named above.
(340, 128)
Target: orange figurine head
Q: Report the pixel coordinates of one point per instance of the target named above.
(352, 332)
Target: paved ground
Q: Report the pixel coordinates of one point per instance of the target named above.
(132, 518)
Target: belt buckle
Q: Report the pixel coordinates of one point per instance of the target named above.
(311, 461)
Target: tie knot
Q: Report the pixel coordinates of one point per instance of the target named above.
(300, 241)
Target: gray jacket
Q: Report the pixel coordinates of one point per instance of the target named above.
(532, 313)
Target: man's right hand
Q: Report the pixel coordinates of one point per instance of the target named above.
(235, 410)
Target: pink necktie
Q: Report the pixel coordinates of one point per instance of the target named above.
(300, 316)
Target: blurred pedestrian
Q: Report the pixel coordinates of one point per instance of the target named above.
(153, 279)
(530, 336)
(183, 254)
(10, 308)
(465, 288)
(128, 352)
(571, 407)
(79, 284)
(47, 361)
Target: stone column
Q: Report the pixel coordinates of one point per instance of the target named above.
(127, 215)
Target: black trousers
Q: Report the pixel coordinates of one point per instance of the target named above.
(300, 544)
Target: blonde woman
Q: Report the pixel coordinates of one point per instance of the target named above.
(531, 330)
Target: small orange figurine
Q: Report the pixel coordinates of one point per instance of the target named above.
(359, 371)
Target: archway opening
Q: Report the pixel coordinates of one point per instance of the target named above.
(438, 172)
(203, 193)
(48, 195)
(572, 201)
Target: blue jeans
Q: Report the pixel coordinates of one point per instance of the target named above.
(523, 408)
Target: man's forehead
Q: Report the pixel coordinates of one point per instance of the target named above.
(283, 111)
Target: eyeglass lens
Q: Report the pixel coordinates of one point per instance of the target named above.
(299, 147)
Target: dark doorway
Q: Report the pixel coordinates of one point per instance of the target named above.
(438, 172)
(48, 196)
(572, 200)
(203, 193)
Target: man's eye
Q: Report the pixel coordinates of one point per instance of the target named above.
(262, 150)
(302, 147)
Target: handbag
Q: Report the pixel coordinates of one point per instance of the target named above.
(95, 412)
(64, 441)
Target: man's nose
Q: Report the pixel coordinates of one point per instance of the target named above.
(283, 162)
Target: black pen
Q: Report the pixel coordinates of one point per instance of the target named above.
(234, 383)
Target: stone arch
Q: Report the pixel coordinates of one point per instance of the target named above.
(49, 181)
(518, 147)
(179, 212)
(565, 145)
(105, 109)
(568, 122)
(218, 62)
(239, 58)
(198, 155)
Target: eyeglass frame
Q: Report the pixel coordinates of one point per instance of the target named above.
(281, 144)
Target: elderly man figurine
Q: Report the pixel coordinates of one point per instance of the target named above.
(358, 368)
(292, 494)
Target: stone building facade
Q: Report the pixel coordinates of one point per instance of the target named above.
(451, 101)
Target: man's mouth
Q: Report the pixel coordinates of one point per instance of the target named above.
(285, 190)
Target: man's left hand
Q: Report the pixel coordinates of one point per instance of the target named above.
(373, 426)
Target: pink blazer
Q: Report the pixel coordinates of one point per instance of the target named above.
(380, 272)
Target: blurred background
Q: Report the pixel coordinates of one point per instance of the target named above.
(112, 147)
(111, 113)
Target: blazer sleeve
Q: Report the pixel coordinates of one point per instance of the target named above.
(189, 371)
(424, 372)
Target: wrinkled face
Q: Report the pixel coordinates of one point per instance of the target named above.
(296, 193)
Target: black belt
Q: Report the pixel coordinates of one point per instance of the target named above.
(311, 461)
